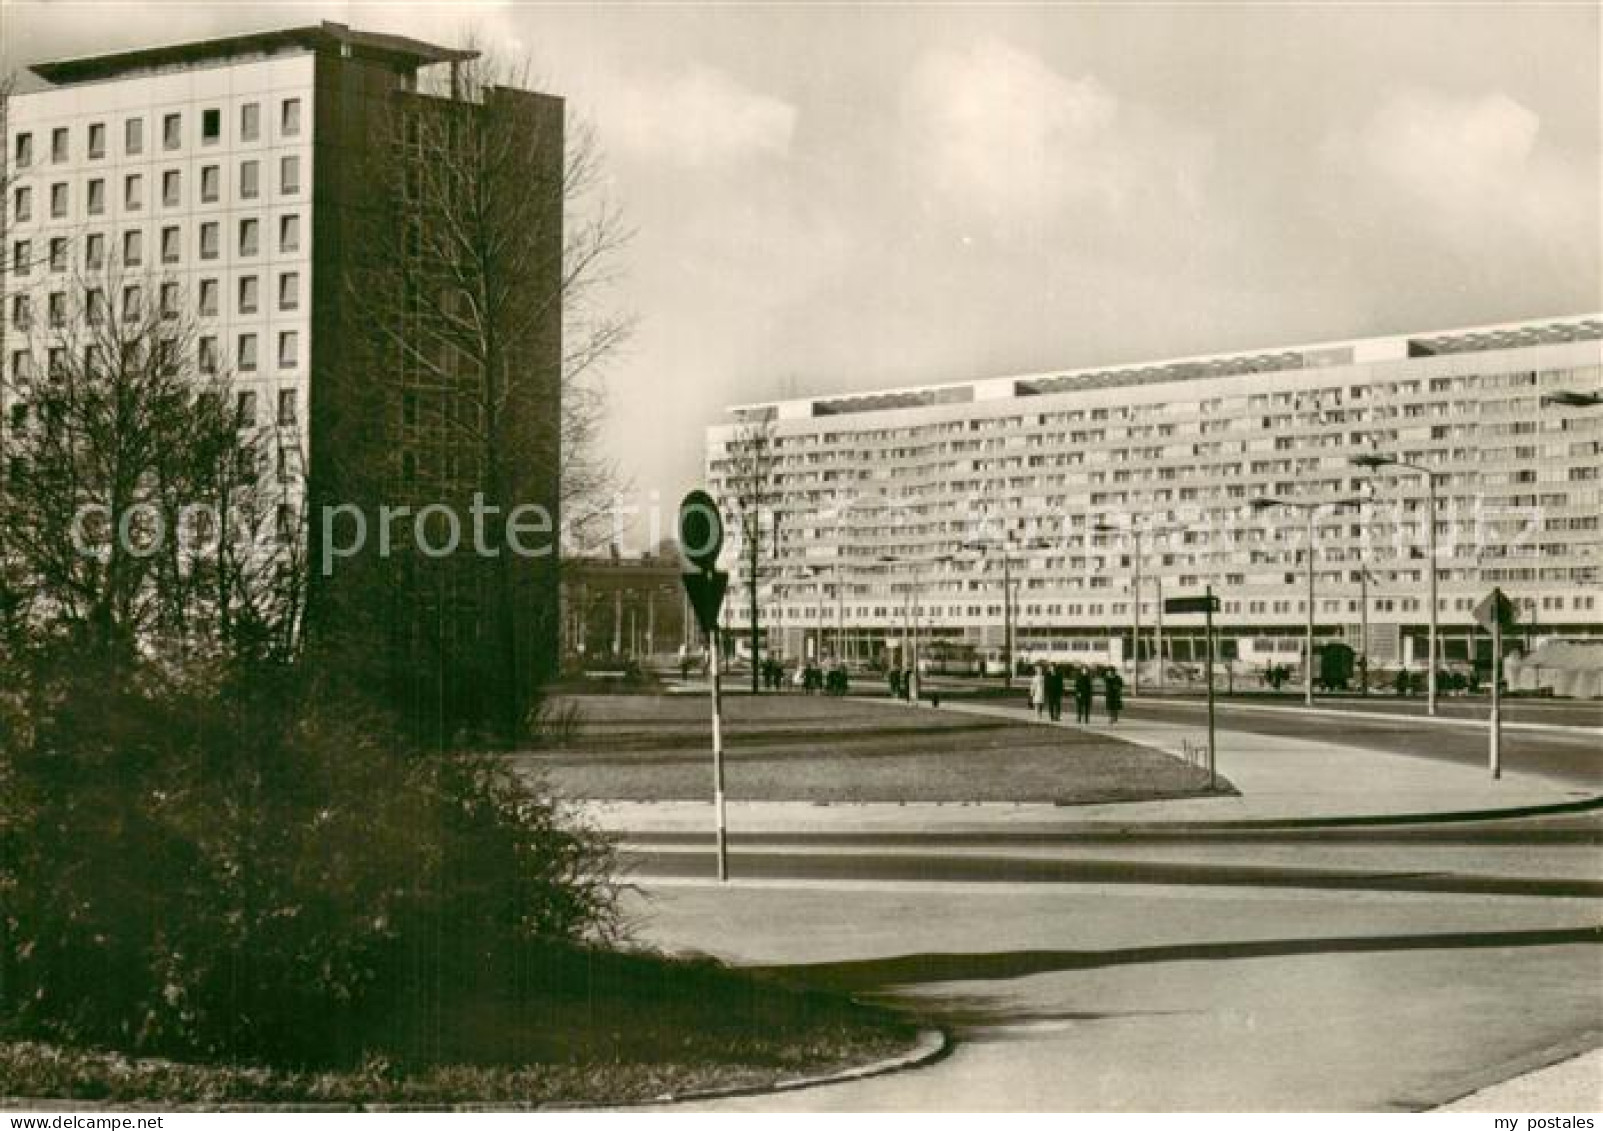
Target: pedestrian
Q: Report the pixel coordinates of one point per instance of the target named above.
(1113, 688)
(1054, 692)
(893, 679)
(1082, 695)
(1038, 690)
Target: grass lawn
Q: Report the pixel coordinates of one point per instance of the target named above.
(606, 1029)
(795, 747)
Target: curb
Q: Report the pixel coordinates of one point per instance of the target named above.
(1111, 823)
(932, 1045)
(1383, 716)
(1523, 1068)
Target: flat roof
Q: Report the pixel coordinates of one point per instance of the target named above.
(325, 36)
(1512, 335)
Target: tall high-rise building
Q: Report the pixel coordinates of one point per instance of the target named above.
(1087, 496)
(287, 190)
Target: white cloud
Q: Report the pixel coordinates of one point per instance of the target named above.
(700, 117)
(1463, 168)
(996, 130)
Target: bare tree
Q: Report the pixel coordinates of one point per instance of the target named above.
(478, 292)
(751, 481)
(141, 512)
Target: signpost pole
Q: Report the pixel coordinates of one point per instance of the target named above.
(1497, 697)
(718, 756)
(701, 536)
(1212, 779)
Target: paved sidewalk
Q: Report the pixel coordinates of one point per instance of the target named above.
(1278, 779)
(1570, 1086)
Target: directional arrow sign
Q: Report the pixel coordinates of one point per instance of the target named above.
(706, 592)
(1207, 604)
(1493, 610)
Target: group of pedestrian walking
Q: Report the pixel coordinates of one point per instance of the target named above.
(1048, 682)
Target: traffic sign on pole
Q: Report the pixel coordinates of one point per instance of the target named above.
(701, 529)
(1494, 611)
(706, 592)
(701, 537)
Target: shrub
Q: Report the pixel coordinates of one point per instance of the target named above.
(230, 874)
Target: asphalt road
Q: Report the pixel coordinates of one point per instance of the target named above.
(1572, 757)
(1173, 970)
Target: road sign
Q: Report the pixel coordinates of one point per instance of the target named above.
(1205, 604)
(701, 530)
(706, 592)
(1494, 611)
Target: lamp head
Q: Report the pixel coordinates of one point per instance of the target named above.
(1264, 503)
(1373, 461)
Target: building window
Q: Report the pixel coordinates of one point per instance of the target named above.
(211, 126)
(169, 245)
(22, 204)
(58, 145)
(58, 254)
(94, 251)
(208, 240)
(169, 300)
(208, 297)
(133, 192)
(250, 121)
(247, 355)
(133, 135)
(211, 182)
(286, 404)
(131, 301)
(245, 409)
(172, 131)
(21, 312)
(247, 295)
(56, 308)
(22, 366)
(133, 248)
(289, 175)
(289, 233)
(24, 151)
(208, 354)
(289, 290)
(249, 179)
(21, 257)
(288, 347)
(97, 140)
(290, 122)
(58, 200)
(171, 184)
(97, 196)
(249, 230)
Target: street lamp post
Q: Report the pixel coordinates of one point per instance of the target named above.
(911, 609)
(1135, 602)
(1007, 546)
(1310, 510)
(1374, 462)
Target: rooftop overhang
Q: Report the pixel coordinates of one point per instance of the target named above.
(396, 50)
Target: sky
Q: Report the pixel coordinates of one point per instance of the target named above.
(828, 198)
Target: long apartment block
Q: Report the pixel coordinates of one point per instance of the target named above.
(905, 510)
